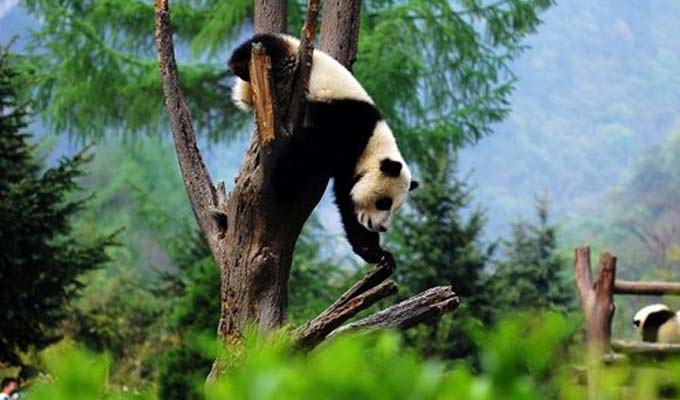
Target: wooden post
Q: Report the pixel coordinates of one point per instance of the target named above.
(597, 301)
(597, 298)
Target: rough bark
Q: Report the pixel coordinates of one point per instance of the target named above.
(207, 202)
(651, 288)
(340, 30)
(373, 278)
(271, 16)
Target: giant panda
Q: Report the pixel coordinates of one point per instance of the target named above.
(657, 323)
(343, 137)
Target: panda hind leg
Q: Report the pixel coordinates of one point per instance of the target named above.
(300, 165)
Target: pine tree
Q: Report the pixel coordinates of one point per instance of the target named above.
(533, 275)
(40, 258)
(437, 245)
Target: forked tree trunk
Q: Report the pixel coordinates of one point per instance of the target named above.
(250, 234)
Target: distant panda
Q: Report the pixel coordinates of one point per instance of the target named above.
(343, 137)
(658, 323)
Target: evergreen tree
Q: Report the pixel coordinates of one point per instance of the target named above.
(40, 257)
(533, 275)
(437, 245)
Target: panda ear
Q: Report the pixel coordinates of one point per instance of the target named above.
(414, 185)
(390, 167)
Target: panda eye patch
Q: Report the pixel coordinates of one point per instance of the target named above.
(383, 204)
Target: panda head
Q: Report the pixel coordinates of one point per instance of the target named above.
(648, 320)
(380, 190)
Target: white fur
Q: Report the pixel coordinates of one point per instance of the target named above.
(242, 95)
(669, 332)
(374, 184)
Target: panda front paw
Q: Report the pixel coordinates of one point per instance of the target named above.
(387, 260)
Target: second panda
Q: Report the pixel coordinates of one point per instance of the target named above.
(657, 323)
(343, 137)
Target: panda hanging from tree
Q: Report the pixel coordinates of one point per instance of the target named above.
(343, 137)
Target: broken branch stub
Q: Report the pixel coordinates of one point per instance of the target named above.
(263, 96)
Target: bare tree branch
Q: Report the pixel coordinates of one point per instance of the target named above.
(425, 306)
(203, 196)
(304, 66)
(374, 277)
(315, 331)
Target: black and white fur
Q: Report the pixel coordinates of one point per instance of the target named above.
(343, 137)
(658, 323)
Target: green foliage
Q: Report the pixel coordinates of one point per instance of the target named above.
(449, 79)
(533, 275)
(76, 374)
(83, 46)
(315, 281)
(436, 245)
(525, 357)
(124, 307)
(42, 257)
(195, 315)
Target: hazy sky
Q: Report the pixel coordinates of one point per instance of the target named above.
(6, 6)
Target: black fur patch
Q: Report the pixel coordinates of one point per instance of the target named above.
(414, 185)
(390, 167)
(278, 49)
(650, 328)
(333, 137)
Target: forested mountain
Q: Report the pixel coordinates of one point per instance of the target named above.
(597, 87)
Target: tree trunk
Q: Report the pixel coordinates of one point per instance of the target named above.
(340, 30)
(261, 234)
